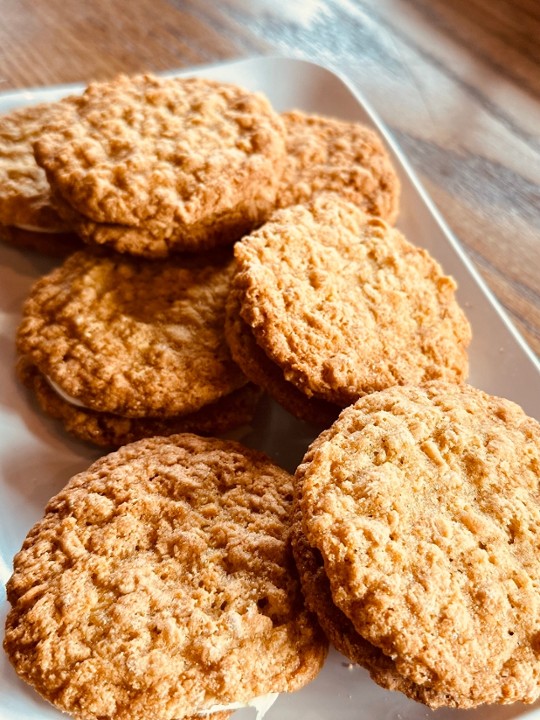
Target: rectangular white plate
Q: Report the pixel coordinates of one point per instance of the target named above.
(37, 458)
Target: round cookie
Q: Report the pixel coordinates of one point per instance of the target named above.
(27, 218)
(136, 339)
(111, 431)
(160, 584)
(329, 155)
(150, 165)
(345, 306)
(425, 508)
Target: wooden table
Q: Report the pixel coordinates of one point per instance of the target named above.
(458, 84)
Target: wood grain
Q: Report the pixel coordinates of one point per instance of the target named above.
(457, 83)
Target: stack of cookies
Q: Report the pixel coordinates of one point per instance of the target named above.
(147, 165)
(328, 304)
(119, 349)
(416, 536)
(127, 338)
(123, 341)
(231, 251)
(160, 584)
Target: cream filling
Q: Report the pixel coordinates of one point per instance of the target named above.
(36, 229)
(262, 705)
(58, 390)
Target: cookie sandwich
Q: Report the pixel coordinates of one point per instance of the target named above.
(160, 583)
(119, 349)
(150, 165)
(416, 538)
(27, 217)
(325, 154)
(339, 304)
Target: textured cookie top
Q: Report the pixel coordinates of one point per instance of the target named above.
(424, 504)
(266, 374)
(163, 153)
(342, 633)
(132, 338)
(345, 305)
(24, 190)
(159, 583)
(325, 154)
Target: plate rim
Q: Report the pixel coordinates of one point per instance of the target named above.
(25, 94)
(458, 246)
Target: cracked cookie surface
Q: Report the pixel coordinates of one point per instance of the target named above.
(266, 374)
(148, 165)
(133, 338)
(345, 305)
(424, 505)
(159, 583)
(339, 629)
(325, 154)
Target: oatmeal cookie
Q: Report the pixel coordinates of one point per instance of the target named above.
(344, 305)
(329, 155)
(129, 337)
(159, 583)
(121, 337)
(149, 165)
(27, 217)
(423, 503)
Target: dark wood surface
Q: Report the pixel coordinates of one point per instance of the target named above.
(458, 83)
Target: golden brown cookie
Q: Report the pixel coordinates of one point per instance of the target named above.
(27, 218)
(424, 506)
(345, 306)
(150, 165)
(136, 340)
(329, 155)
(159, 583)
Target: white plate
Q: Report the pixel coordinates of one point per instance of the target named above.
(37, 458)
